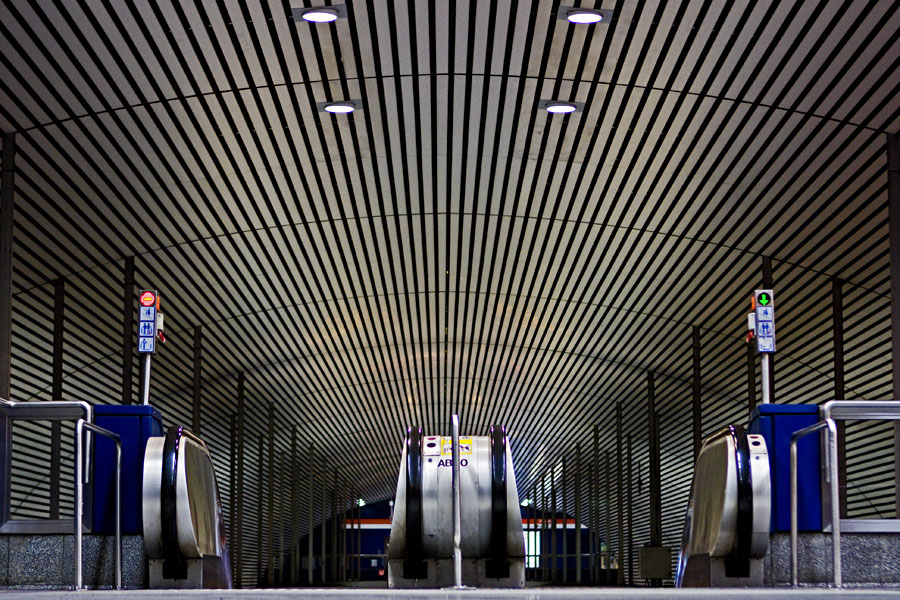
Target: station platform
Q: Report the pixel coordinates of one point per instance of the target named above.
(535, 593)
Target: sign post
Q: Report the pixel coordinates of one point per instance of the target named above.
(147, 322)
(764, 307)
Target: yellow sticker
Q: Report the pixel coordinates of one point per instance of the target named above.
(465, 446)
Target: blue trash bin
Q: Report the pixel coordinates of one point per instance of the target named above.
(134, 424)
(776, 423)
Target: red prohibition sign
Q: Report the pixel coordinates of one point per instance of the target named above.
(148, 298)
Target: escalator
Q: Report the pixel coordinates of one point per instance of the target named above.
(184, 530)
(726, 528)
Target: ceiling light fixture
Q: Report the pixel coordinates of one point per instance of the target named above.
(319, 14)
(339, 107)
(581, 16)
(561, 107)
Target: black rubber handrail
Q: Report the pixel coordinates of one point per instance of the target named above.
(738, 564)
(498, 563)
(174, 565)
(413, 566)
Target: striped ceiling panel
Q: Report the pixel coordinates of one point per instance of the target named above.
(450, 246)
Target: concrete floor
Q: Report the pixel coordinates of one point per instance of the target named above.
(526, 594)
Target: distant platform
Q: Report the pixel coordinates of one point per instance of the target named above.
(471, 594)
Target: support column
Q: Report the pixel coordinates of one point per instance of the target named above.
(629, 559)
(232, 495)
(565, 523)
(310, 557)
(769, 283)
(7, 177)
(270, 563)
(893, 160)
(59, 310)
(608, 531)
(655, 472)
(620, 496)
(260, 512)
(198, 344)
(553, 526)
(323, 566)
(7, 182)
(697, 405)
(597, 544)
(294, 549)
(239, 538)
(128, 331)
(837, 312)
(578, 514)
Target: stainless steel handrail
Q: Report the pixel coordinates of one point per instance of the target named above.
(832, 471)
(51, 410)
(80, 428)
(457, 520)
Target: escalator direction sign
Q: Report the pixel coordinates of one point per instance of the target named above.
(764, 308)
(149, 303)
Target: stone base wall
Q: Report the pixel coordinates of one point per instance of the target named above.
(867, 559)
(48, 562)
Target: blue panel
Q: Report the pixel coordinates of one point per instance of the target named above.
(135, 424)
(776, 423)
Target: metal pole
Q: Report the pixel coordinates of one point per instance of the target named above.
(457, 520)
(655, 475)
(893, 165)
(198, 343)
(128, 331)
(696, 399)
(768, 360)
(118, 514)
(145, 379)
(543, 555)
(79, 501)
(59, 300)
(751, 378)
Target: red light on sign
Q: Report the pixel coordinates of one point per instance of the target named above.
(148, 299)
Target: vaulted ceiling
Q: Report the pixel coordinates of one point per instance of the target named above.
(451, 246)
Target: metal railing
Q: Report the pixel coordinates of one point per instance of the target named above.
(80, 478)
(831, 470)
(830, 412)
(83, 414)
(34, 411)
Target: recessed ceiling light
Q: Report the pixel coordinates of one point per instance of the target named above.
(561, 107)
(339, 107)
(583, 16)
(319, 15)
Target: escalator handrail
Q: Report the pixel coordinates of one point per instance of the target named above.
(738, 561)
(413, 566)
(498, 565)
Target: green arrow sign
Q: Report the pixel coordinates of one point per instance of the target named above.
(764, 299)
